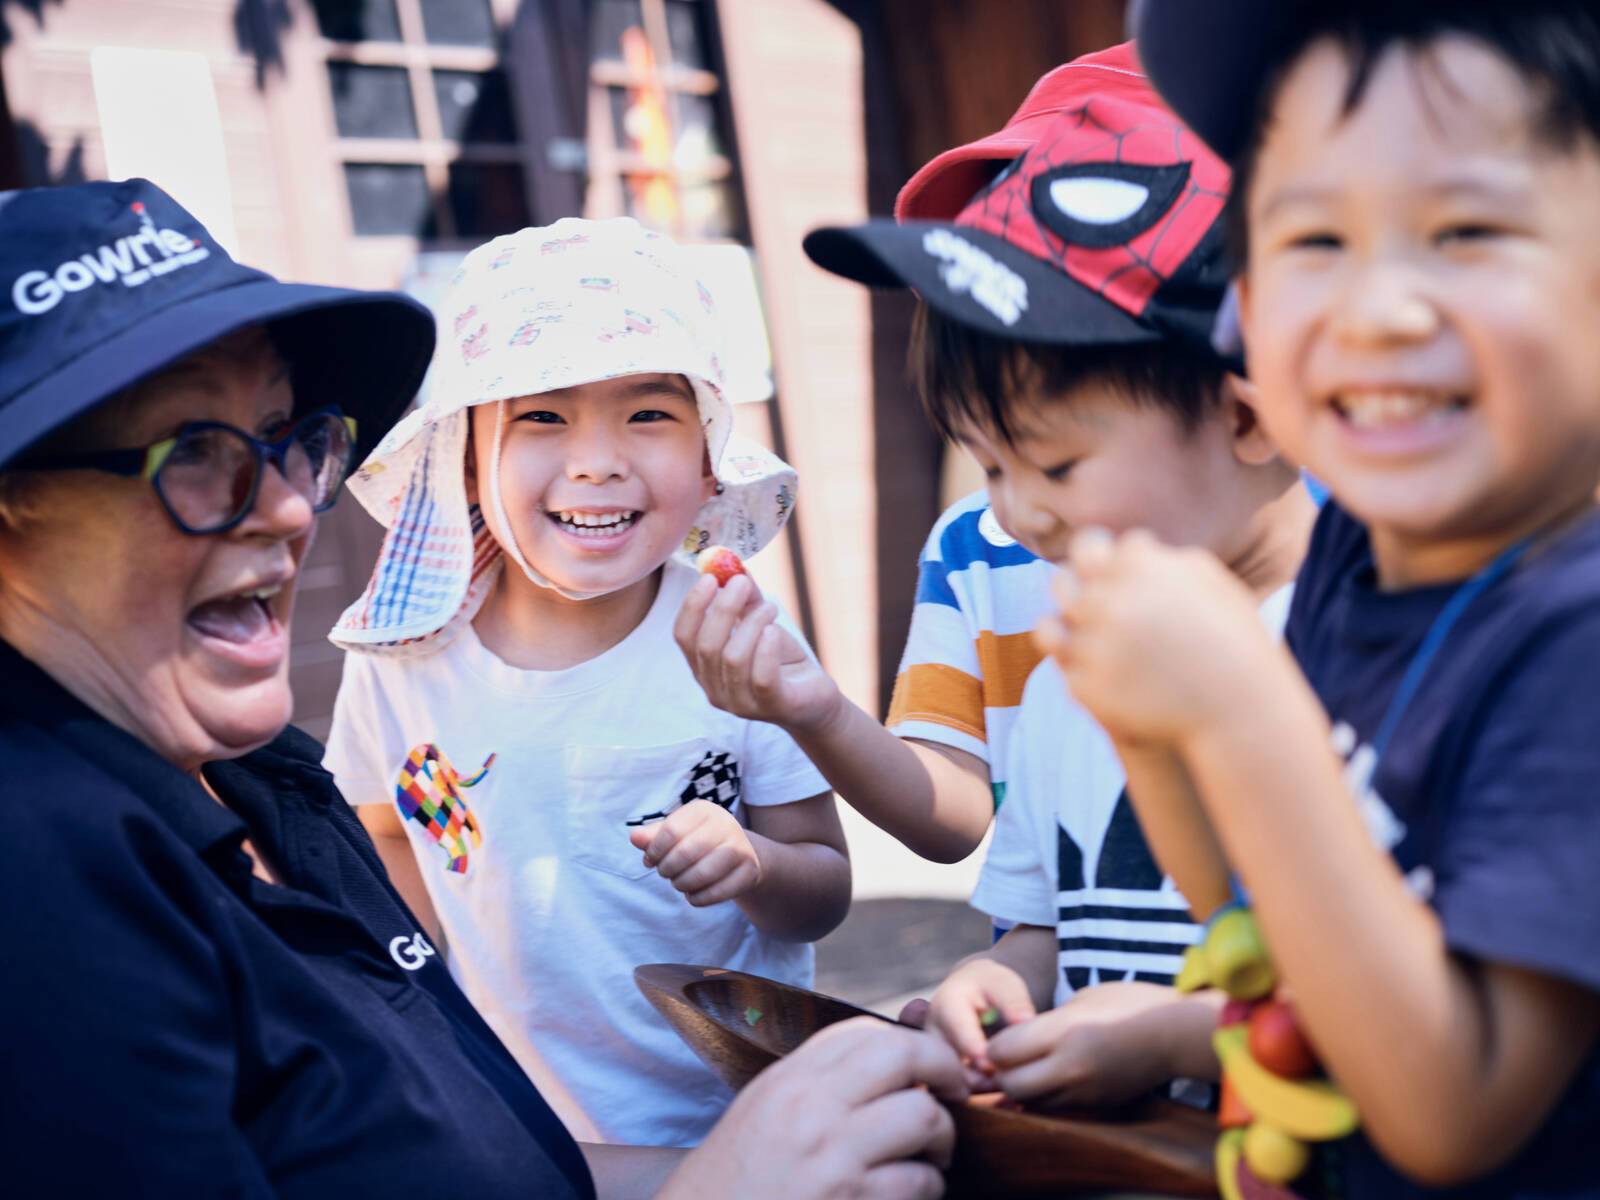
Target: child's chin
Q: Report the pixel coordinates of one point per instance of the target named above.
(601, 582)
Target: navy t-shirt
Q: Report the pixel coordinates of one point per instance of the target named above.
(175, 1026)
(1488, 795)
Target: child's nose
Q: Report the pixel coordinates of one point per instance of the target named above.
(1384, 304)
(595, 457)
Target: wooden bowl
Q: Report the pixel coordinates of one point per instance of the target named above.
(740, 1024)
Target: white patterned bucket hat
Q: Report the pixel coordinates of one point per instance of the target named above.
(545, 308)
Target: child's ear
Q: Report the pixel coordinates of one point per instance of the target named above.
(1251, 445)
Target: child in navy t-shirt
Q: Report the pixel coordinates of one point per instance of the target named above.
(1417, 830)
(1486, 794)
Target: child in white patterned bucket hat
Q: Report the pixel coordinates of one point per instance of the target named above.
(574, 447)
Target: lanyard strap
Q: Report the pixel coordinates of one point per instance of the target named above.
(1433, 640)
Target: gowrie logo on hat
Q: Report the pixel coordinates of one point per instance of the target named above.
(103, 284)
(129, 260)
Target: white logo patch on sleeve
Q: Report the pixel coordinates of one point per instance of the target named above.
(1098, 200)
(989, 526)
(967, 270)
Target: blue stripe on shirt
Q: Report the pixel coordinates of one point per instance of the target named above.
(963, 544)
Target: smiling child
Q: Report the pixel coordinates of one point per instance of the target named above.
(544, 778)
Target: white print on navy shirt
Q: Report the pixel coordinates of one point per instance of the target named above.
(1387, 830)
(127, 259)
(968, 270)
(411, 951)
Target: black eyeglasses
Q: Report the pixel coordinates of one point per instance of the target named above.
(207, 474)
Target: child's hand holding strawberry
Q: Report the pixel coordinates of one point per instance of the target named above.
(747, 663)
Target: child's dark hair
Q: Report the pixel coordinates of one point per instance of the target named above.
(969, 378)
(1553, 44)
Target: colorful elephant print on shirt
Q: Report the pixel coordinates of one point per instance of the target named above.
(429, 792)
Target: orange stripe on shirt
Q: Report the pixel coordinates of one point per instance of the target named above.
(939, 694)
(1006, 660)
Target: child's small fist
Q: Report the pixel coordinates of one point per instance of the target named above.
(1152, 639)
(703, 851)
(720, 563)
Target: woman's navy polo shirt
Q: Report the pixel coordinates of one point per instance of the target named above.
(176, 1027)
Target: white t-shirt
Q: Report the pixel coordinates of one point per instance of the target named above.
(1067, 849)
(548, 914)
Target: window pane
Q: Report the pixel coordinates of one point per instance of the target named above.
(709, 210)
(640, 122)
(458, 22)
(487, 198)
(684, 34)
(474, 106)
(607, 22)
(696, 142)
(357, 20)
(371, 101)
(652, 200)
(387, 198)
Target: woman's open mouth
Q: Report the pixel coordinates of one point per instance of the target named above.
(243, 625)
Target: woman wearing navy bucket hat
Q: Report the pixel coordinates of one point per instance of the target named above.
(211, 988)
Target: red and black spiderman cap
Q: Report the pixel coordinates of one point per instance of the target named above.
(1103, 228)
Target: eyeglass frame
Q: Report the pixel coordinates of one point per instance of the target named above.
(148, 460)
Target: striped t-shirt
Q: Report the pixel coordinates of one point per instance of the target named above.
(970, 650)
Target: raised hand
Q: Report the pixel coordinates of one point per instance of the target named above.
(748, 664)
(1153, 640)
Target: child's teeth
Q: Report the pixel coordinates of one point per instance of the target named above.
(606, 522)
(1373, 409)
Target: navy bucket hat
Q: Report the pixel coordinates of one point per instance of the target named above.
(105, 284)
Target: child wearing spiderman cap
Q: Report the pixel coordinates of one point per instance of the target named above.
(1063, 340)
(1413, 817)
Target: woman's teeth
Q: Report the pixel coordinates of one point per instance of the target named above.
(1376, 410)
(584, 524)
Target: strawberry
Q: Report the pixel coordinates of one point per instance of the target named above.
(721, 562)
